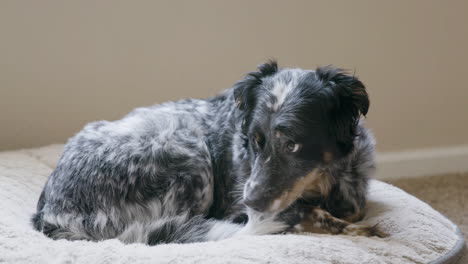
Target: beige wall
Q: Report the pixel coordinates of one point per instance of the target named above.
(66, 63)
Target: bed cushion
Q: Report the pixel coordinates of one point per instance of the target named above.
(419, 234)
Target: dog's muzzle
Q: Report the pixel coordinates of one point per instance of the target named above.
(256, 197)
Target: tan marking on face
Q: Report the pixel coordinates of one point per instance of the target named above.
(278, 134)
(291, 195)
(276, 205)
(327, 157)
(320, 186)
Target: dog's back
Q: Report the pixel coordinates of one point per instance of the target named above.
(152, 164)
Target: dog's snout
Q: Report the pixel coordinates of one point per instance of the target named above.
(259, 205)
(255, 197)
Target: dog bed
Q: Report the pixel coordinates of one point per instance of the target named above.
(419, 234)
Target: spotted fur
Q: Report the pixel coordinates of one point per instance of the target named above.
(263, 157)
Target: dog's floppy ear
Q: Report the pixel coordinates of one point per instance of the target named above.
(244, 90)
(347, 99)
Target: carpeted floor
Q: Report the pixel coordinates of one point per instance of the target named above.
(446, 193)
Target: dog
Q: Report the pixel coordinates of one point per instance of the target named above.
(282, 151)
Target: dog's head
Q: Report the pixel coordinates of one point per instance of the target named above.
(295, 121)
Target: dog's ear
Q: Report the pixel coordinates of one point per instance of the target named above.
(347, 100)
(244, 90)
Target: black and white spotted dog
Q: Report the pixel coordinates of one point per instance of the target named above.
(284, 150)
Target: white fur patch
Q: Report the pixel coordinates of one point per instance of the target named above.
(222, 230)
(299, 228)
(101, 220)
(261, 224)
(252, 184)
(280, 91)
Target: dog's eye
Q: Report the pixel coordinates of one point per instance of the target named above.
(293, 147)
(259, 140)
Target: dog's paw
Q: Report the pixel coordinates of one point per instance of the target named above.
(368, 231)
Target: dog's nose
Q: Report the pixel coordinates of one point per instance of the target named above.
(259, 205)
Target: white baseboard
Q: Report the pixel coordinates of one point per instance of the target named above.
(422, 162)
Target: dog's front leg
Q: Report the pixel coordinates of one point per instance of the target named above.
(302, 217)
(321, 221)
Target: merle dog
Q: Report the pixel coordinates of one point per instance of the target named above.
(284, 150)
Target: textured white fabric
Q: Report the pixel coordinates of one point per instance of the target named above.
(418, 233)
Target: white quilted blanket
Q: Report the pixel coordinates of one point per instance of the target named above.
(419, 234)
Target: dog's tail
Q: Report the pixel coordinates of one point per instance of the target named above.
(185, 229)
(37, 218)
